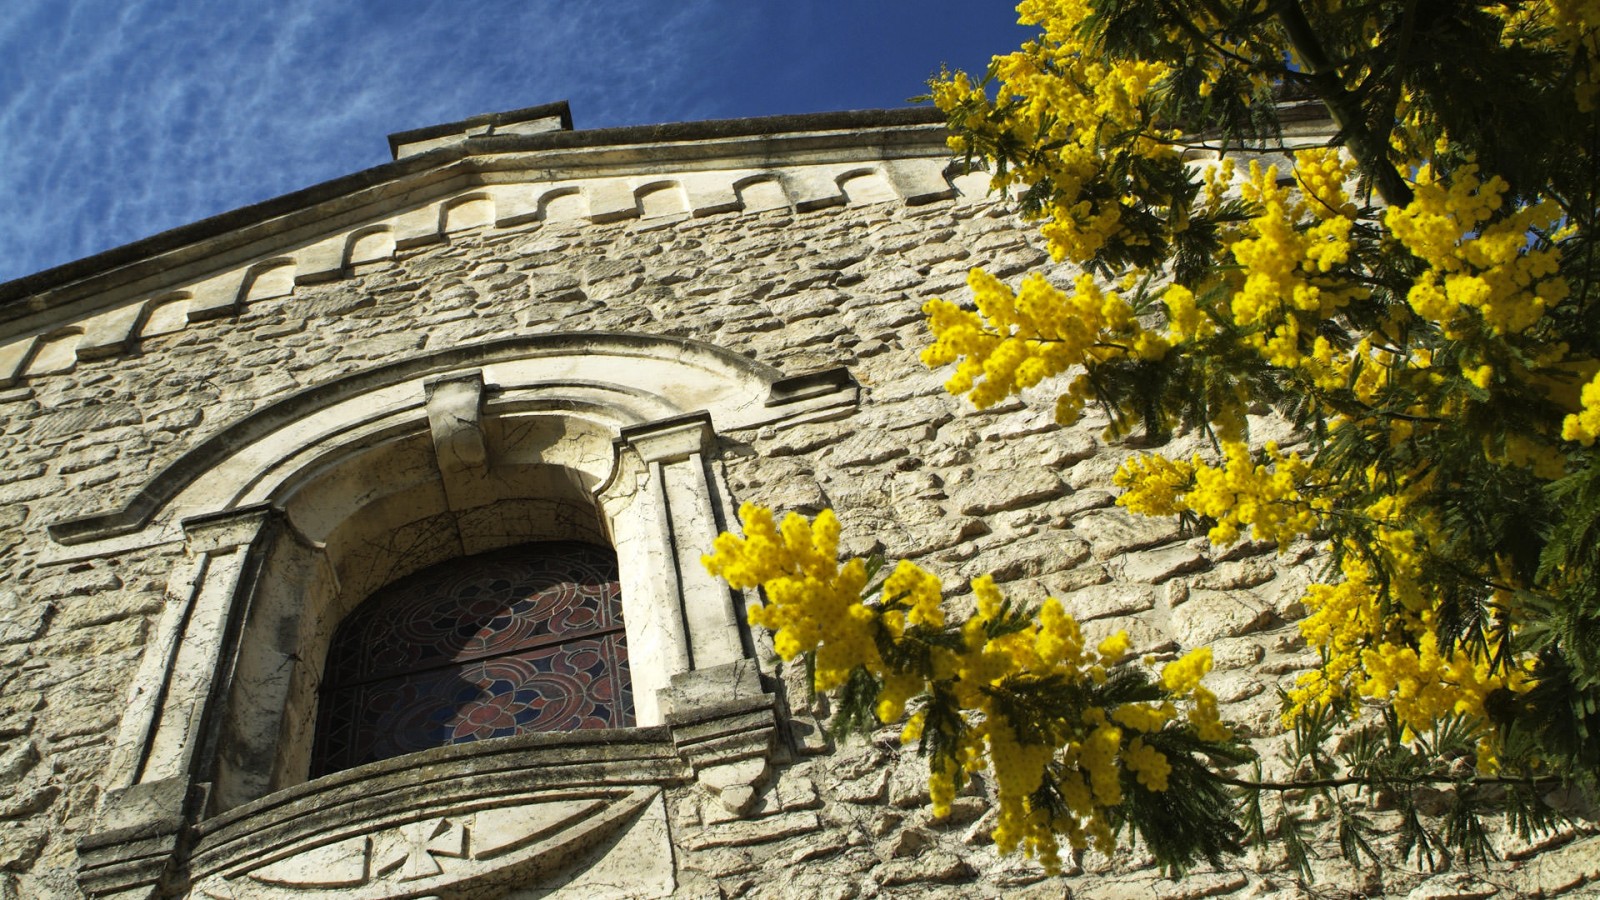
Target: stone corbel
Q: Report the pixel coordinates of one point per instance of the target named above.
(725, 726)
(455, 416)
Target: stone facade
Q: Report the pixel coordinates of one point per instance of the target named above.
(220, 439)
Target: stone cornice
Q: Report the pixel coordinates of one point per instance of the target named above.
(243, 235)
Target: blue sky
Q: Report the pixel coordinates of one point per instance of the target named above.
(123, 118)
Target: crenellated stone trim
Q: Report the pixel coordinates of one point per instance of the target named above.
(125, 313)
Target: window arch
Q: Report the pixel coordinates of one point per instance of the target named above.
(292, 517)
(519, 640)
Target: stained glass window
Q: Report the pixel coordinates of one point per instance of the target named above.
(519, 640)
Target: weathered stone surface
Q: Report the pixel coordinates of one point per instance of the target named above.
(20, 845)
(933, 867)
(908, 783)
(1209, 615)
(1559, 870)
(1113, 532)
(21, 622)
(70, 423)
(75, 584)
(1031, 557)
(1105, 600)
(1236, 575)
(760, 831)
(16, 761)
(1453, 886)
(1143, 635)
(991, 492)
(1156, 566)
(1198, 885)
(29, 802)
(871, 787)
(1236, 653)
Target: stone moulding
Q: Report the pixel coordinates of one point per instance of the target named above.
(292, 516)
(779, 396)
(515, 810)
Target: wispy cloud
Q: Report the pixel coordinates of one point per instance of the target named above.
(122, 118)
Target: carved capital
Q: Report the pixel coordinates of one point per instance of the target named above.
(670, 440)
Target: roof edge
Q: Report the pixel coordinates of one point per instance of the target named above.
(16, 290)
(709, 129)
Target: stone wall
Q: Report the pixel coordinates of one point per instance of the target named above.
(912, 472)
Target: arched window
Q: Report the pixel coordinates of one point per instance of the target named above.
(523, 639)
(293, 518)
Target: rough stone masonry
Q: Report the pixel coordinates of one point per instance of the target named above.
(166, 403)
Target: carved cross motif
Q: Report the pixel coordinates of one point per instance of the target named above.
(409, 850)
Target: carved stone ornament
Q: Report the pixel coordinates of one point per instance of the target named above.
(551, 841)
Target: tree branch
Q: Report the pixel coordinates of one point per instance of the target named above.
(1354, 781)
(1323, 77)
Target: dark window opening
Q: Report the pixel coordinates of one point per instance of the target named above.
(520, 640)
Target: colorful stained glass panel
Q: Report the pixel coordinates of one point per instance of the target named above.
(520, 640)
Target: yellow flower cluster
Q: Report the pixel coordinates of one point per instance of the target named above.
(1285, 255)
(812, 603)
(1185, 321)
(1182, 678)
(1322, 173)
(1478, 261)
(1425, 684)
(1572, 26)
(1388, 650)
(815, 605)
(1486, 305)
(1240, 493)
(1014, 340)
(1060, 93)
(1584, 425)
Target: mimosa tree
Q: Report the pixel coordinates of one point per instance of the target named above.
(1419, 297)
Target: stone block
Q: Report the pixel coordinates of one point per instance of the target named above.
(12, 358)
(20, 845)
(17, 760)
(934, 867)
(1030, 557)
(919, 181)
(28, 803)
(709, 198)
(418, 228)
(110, 333)
(991, 492)
(215, 298)
(868, 788)
(322, 261)
(811, 190)
(1143, 636)
(1158, 565)
(1559, 870)
(1210, 615)
(610, 201)
(1196, 885)
(759, 831)
(1113, 532)
(1103, 601)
